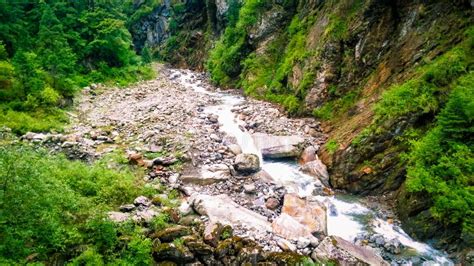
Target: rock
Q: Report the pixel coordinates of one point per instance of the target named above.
(272, 203)
(249, 188)
(165, 161)
(118, 217)
(317, 169)
(185, 209)
(199, 248)
(214, 137)
(311, 214)
(142, 200)
(278, 146)
(145, 216)
(212, 233)
(127, 208)
(135, 158)
(345, 253)
(209, 174)
(289, 228)
(234, 148)
(286, 245)
(308, 155)
(246, 163)
(303, 243)
(171, 233)
(169, 251)
(222, 209)
(68, 144)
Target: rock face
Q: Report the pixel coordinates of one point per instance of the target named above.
(222, 209)
(278, 146)
(311, 214)
(346, 253)
(246, 163)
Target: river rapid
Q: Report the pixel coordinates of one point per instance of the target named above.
(348, 217)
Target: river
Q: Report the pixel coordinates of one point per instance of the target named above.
(348, 217)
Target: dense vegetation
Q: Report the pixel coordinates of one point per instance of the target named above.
(440, 158)
(50, 49)
(53, 209)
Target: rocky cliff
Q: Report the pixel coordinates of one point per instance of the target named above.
(334, 60)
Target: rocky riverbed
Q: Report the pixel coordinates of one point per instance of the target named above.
(231, 159)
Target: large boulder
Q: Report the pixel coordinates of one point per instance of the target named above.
(309, 154)
(222, 209)
(289, 228)
(334, 248)
(317, 169)
(278, 146)
(310, 213)
(247, 163)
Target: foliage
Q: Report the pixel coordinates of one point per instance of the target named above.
(49, 204)
(49, 49)
(332, 146)
(423, 94)
(224, 62)
(442, 162)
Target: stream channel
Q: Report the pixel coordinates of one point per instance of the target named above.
(347, 216)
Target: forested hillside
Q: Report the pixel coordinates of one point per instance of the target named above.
(49, 50)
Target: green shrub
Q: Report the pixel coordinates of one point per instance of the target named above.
(442, 162)
(332, 146)
(49, 204)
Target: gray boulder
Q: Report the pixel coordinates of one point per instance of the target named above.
(247, 163)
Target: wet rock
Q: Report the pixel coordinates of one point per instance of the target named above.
(317, 169)
(344, 252)
(311, 214)
(118, 217)
(171, 233)
(308, 155)
(278, 146)
(246, 163)
(272, 203)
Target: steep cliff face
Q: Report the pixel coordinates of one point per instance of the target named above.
(336, 60)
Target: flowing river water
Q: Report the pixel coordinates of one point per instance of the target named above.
(348, 217)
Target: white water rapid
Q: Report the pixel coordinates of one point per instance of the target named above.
(348, 217)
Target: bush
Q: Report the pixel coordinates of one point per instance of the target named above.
(49, 204)
(442, 162)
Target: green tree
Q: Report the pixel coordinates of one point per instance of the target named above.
(56, 57)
